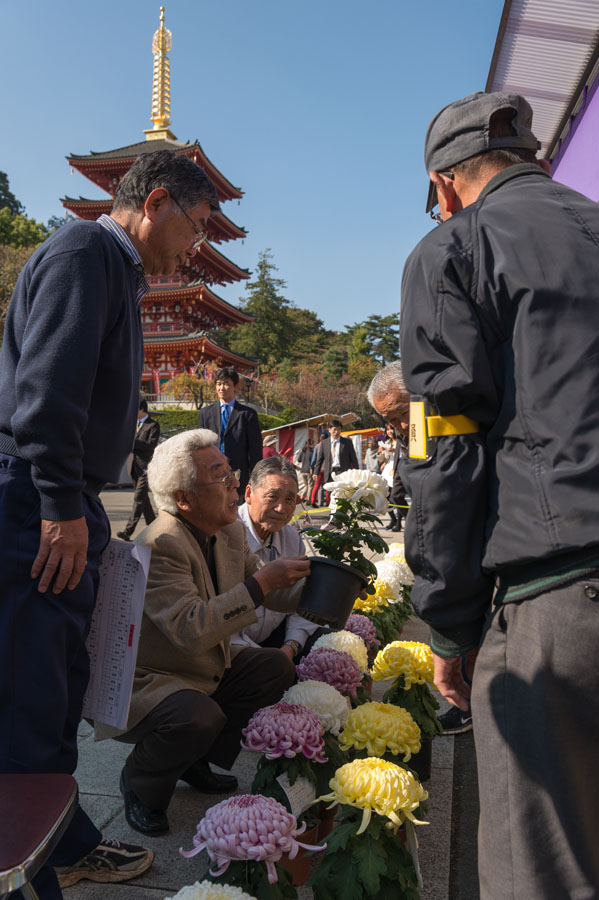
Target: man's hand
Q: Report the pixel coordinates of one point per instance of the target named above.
(62, 552)
(288, 651)
(450, 680)
(282, 573)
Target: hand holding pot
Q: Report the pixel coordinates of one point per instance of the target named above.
(282, 573)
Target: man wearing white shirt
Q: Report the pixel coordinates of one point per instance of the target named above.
(271, 498)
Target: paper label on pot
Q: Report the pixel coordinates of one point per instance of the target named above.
(301, 794)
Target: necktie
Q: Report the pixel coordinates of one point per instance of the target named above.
(225, 412)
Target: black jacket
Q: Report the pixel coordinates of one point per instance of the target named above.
(146, 439)
(500, 322)
(324, 461)
(243, 438)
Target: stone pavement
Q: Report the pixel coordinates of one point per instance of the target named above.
(98, 777)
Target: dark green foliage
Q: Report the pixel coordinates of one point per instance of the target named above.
(252, 878)
(419, 702)
(353, 527)
(177, 420)
(373, 864)
(8, 199)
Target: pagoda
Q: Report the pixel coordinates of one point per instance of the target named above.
(180, 308)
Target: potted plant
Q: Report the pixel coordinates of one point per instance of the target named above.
(342, 569)
(378, 608)
(381, 729)
(210, 890)
(366, 855)
(291, 740)
(334, 667)
(245, 837)
(409, 665)
(332, 709)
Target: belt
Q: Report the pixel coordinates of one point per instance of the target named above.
(8, 445)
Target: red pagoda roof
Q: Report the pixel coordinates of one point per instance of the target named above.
(177, 293)
(106, 168)
(211, 266)
(220, 228)
(202, 344)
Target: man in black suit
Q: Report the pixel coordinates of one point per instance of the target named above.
(236, 425)
(335, 453)
(146, 438)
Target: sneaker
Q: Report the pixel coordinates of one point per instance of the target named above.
(123, 535)
(456, 721)
(111, 861)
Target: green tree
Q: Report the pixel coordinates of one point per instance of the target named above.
(270, 335)
(12, 260)
(382, 333)
(7, 198)
(20, 231)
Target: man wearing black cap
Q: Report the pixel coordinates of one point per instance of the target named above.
(500, 354)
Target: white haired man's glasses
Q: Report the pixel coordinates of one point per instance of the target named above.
(227, 479)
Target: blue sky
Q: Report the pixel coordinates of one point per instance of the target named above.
(317, 110)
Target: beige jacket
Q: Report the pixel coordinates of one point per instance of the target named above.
(184, 639)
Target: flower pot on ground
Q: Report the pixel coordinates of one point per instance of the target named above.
(409, 664)
(245, 837)
(367, 856)
(299, 867)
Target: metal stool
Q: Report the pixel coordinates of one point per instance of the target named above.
(34, 812)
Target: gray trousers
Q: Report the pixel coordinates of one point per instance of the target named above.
(535, 706)
(188, 725)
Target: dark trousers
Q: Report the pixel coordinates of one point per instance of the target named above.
(188, 725)
(44, 667)
(535, 711)
(277, 638)
(142, 505)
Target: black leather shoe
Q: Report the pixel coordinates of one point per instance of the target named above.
(123, 535)
(140, 817)
(201, 777)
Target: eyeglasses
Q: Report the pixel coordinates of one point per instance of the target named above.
(200, 236)
(227, 479)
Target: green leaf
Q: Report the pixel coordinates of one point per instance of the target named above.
(372, 862)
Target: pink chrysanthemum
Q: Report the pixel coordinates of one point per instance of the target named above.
(248, 827)
(333, 667)
(285, 729)
(363, 627)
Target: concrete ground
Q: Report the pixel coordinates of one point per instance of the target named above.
(98, 777)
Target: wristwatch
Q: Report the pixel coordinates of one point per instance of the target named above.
(294, 646)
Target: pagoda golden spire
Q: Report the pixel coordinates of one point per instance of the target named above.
(161, 84)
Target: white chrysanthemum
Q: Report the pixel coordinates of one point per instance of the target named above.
(346, 642)
(395, 572)
(331, 707)
(360, 484)
(208, 890)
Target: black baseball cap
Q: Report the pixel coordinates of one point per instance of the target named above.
(461, 130)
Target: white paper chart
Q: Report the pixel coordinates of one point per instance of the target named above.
(114, 633)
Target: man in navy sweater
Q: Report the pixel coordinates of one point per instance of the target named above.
(70, 370)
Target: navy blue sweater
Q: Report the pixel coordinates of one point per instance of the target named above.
(70, 365)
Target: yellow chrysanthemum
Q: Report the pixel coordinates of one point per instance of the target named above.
(208, 890)
(346, 642)
(411, 659)
(381, 728)
(373, 784)
(379, 600)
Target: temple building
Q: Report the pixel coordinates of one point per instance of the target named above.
(181, 308)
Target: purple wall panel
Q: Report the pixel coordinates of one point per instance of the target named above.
(578, 163)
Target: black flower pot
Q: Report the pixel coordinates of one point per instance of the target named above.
(421, 762)
(330, 592)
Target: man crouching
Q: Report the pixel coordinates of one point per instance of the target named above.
(193, 693)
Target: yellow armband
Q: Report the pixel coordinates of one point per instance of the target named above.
(423, 427)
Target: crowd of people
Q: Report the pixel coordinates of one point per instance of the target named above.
(492, 433)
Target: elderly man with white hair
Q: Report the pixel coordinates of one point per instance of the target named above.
(270, 501)
(193, 692)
